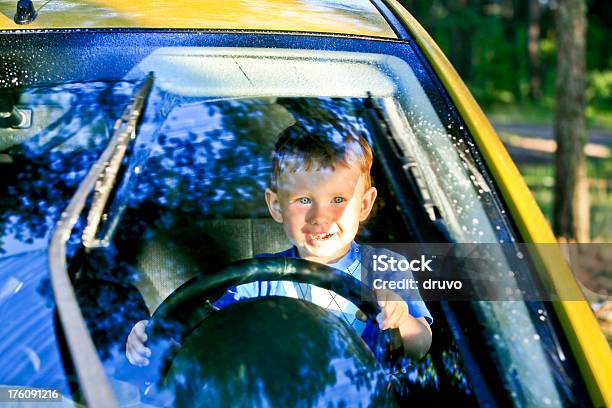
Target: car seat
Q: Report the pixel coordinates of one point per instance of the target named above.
(170, 257)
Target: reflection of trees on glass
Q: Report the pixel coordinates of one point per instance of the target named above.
(454, 369)
(206, 160)
(42, 172)
(212, 160)
(275, 352)
(220, 163)
(202, 169)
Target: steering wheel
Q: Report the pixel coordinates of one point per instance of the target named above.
(182, 311)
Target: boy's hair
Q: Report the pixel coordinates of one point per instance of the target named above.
(299, 148)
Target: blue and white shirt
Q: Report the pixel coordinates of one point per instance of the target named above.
(343, 308)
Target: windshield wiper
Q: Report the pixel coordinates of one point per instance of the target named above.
(408, 170)
(124, 131)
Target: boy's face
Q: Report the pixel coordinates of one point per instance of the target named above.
(321, 209)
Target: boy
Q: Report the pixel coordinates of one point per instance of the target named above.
(320, 192)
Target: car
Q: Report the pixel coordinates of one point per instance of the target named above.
(135, 142)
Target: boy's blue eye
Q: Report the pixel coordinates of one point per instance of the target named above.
(338, 200)
(304, 200)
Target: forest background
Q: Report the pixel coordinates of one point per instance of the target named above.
(505, 51)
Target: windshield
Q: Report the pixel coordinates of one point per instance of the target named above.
(189, 200)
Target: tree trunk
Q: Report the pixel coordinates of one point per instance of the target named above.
(511, 22)
(461, 37)
(533, 45)
(571, 202)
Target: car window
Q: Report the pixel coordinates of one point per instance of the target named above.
(188, 200)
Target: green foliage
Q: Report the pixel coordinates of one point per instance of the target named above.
(486, 40)
(599, 90)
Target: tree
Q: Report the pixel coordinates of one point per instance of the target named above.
(461, 31)
(571, 203)
(533, 45)
(511, 22)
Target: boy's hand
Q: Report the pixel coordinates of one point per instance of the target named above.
(394, 310)
(135, 350)
(415, 331)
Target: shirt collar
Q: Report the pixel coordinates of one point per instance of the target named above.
(347, 260)
(343, 263)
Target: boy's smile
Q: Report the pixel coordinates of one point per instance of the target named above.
(321, 209)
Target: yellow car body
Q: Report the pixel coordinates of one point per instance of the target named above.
(589, 346)
(271, 15)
